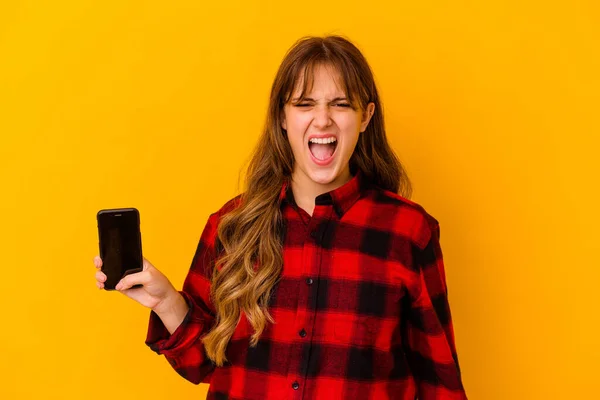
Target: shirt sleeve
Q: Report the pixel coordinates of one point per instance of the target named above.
(184, 349)
(430, 344)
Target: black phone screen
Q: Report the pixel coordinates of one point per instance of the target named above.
(120, 244)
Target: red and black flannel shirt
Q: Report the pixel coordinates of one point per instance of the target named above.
(361, 310)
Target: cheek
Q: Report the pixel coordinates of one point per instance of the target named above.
(297, 126)
(299, 122)
(295, 137)
(350, 122)
(295, 142)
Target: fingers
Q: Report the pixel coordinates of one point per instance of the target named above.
(100, 279)
(140, 278)
(100, 276)
(127, 282)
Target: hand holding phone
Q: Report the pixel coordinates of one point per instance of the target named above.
(156, 291)
(122, 267)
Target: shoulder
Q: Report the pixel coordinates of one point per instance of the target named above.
(209, 237)
(410, 217)
(225, 208)
(229, 205)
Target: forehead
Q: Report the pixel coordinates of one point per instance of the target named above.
(319, 78)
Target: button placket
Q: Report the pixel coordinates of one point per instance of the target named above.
(311, 258)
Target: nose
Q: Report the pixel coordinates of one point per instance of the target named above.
(322, 117)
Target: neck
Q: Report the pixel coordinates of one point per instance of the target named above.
(306, 190)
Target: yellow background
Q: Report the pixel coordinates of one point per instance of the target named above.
(491, 105)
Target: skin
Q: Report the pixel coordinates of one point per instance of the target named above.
(158, 293)
(321, 114)
(327, 112)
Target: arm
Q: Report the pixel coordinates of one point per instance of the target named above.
(172, 311)
(175, 328)
(430, 345)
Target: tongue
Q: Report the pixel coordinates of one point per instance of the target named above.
(322, 151)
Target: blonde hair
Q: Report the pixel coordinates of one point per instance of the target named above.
(251, 235)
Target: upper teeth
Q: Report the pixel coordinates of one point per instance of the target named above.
(322, 141)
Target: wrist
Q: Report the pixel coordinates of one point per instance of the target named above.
(170, 303)
(172, 310)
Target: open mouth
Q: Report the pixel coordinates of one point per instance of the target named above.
(322, 149)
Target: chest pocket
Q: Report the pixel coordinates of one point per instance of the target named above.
(367, 313)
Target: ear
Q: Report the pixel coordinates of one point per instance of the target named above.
(283, 122)
(366, 117)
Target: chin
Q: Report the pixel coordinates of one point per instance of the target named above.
(324, 177)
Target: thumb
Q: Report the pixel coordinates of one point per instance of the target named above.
(146, 264)
(139, 278)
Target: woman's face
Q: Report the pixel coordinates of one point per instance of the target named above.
(323, 130)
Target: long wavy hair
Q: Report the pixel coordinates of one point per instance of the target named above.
(250, 236)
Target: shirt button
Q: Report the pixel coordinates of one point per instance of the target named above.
(295, 385)
(302, 333)
(309, 281)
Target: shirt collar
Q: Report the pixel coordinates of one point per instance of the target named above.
(341, 198)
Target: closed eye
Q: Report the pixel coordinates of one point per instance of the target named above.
(337, 105)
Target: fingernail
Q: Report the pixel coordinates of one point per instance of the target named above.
(118, 287)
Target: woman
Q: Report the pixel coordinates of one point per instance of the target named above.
(320, 281)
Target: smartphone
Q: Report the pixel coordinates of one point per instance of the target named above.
(120, 242)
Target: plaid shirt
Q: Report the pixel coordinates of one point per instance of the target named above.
(361, 310)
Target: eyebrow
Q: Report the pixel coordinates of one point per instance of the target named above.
(310, 99)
